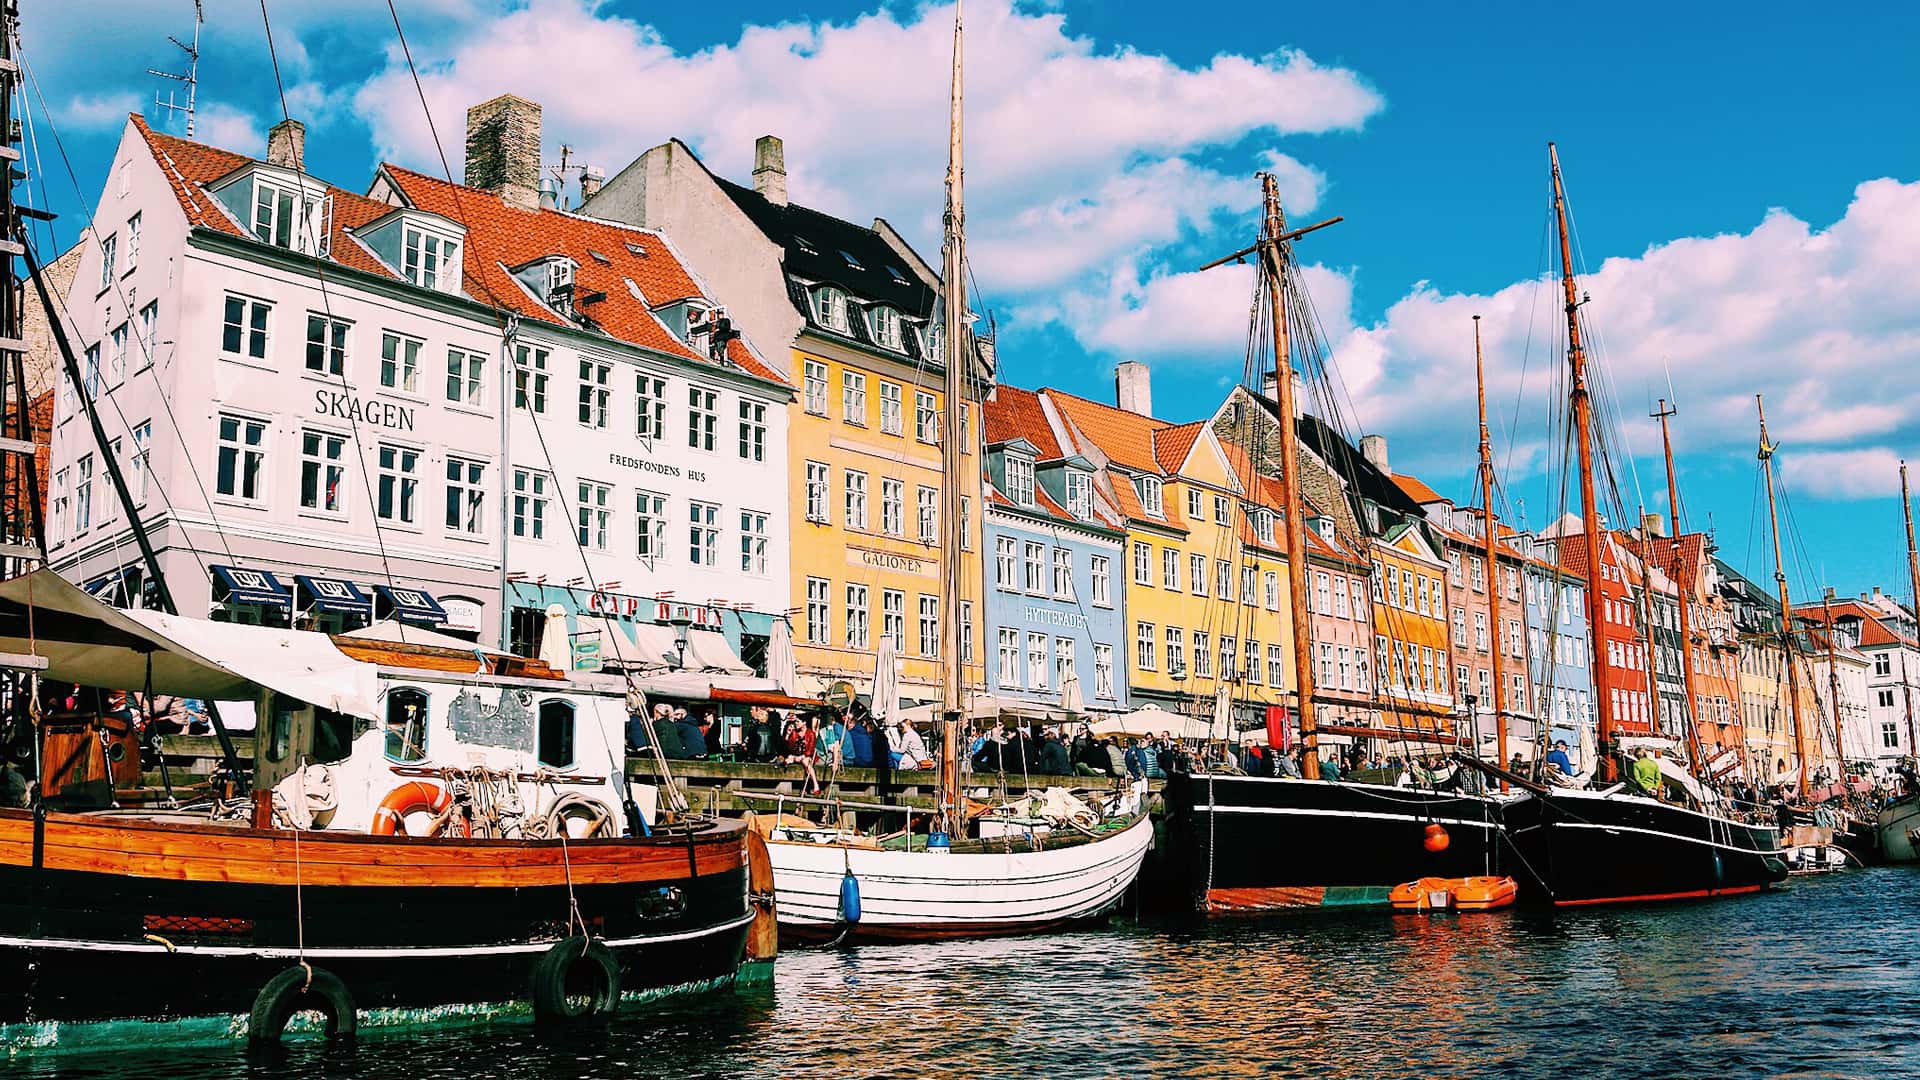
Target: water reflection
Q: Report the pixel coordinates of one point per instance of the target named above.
(1815, 980)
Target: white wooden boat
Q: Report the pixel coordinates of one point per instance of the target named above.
(1898, 823)
(1013, 884)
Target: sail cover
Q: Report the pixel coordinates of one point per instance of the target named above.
(90, 644)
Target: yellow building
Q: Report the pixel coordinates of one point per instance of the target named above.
(1204, 564)
(1410, 631)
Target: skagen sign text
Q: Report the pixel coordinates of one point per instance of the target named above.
(377, 413)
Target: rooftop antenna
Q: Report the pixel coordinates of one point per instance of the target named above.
(192, 76)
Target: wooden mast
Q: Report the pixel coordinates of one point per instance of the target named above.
(1683, 584)
(1273, 255)
(959, 351)
(1491, 534)
(1582, 407)
(1786, 602)
(1652, 667)
(1833, 674)
(1913, 576)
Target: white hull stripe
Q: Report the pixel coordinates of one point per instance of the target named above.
(1412, 819)
(1655, 832)
(440, 952)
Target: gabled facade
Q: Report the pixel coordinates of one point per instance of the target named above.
(1559, 643)
(1716, 705)
(1881, 632)
(1619, 642)
(1410, 627)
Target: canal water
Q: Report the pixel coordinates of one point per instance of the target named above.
(1820, 979)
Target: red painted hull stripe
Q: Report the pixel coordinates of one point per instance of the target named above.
(1697, 894)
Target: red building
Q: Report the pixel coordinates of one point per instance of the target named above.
(1618, 643)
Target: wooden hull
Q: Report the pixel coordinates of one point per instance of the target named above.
(132, 918)
(1244, 844)
(917, 895)
(1578, 848)
(1897, 822)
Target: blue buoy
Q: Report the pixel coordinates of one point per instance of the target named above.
(937, 841)
(849, 898)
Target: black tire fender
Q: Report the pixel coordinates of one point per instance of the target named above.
(548, 983)
(298, 989)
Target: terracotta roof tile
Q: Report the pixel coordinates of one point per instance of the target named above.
(1014, 413)
(1172, 444)
(1416, 489)
(1126, 438)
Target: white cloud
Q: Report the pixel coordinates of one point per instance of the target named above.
(231, 129)
(1869, 473)
(1076, 151)
(99, 112)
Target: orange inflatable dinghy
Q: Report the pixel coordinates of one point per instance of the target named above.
(1454, 894)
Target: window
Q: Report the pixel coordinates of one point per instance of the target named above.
(1063, 573)
(1195, 502)
(1197, 574)
(893, 617)
(241, 468)
(966, 532)
(830, 305)
(856, 616)
(465, 372)
(1376, 578)
(1883, 663)
(1453, 567)
(853, 398)
(1004, 557)
(893, 510)
(1322, 592)
(856, 500)
(595, 391)
(142, 463)
(1007, 667)
(61, 504)
(243, 331)
(816, 491)
(753, 542)
(288, 218)
(149, 321)
(1479, 631)
(1222, 510)
(814, 384)
(1359, 601)
(1079, 494)
(1885, 698)
(1263, 526)
(400, 364)
(466, 495)
(927, 500)
(1253, 661)
(117, 360)
(885, 322)
(703, 417)
(1143, 651)
(1170, 569)
(554, 745)
(326, 344)
(929, 625)
(703, 533)
(819, 611)
(1020, 480)
(1099, 571)
(1276, 671)
(1102, 670)
(133, 242)
(90, 372)
(399, 483)
(1270, 583)
(529, 378)
(1176, 651)
(890, 409)
(649, 526)
(594, 509)
(1229, 659)
(1420, 593)
(83, 494)
(926, 419)
(966, 425)
(406, 725)
(429, 261)
(1142, 563)
(110, 505)
(1223, 579)
(1148, 488)
(753, 430)
(530, 504)
(1202, 655)
(1031, 563)
(1340, 598)
(1247, 585)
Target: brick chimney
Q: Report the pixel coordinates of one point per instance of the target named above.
(770, 169)
(592, 179)
(1133, 387)
(1374, 449)
(1653, 524)
(287, 145)
(503, 150)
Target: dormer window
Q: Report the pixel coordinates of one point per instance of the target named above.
(885, 322)
(1263, 525)
(830, 307)
(933, 344)
(559, 281)
(285, 216)
(1020, 480)
(430, 260)
(1148, 488)
(1079, 494)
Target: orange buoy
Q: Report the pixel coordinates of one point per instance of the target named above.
(1437, 838)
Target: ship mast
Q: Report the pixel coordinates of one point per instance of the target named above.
(1499, 702)
(1786, 602)
(953, 529)
(1581, 402)
(1913, 576)
(1683, 584)
(1833, 674)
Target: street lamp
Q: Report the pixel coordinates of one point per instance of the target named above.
(681, 625)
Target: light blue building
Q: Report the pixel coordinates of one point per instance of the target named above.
(1558, 662)
(1054, 600)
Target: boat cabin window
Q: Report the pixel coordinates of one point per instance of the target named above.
(333, 735)
(406, 725)
(556, 734)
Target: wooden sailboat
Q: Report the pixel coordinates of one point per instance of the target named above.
(951, 881)
(1898, 822)
(1607, 846)
(1241, 843)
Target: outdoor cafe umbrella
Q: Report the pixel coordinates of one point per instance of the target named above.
(556, 648)
(781, 667)
(886, 680)
(1071, 699)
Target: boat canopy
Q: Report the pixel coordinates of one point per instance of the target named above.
(88, 643)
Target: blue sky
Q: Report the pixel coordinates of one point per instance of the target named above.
(1715, 159)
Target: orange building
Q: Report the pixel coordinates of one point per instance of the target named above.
(1410, 631)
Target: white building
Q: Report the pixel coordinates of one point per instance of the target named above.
(304, 389)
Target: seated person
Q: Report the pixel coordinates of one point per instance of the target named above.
(693, 744)
(859, 747)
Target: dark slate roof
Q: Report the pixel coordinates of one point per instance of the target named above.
(1347, 462)
(817, 247)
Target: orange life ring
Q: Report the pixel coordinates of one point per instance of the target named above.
(412, 797)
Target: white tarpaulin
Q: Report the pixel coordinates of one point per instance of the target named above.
(699, 685)
(390, 630)
(298, 663)
(707, 650)
(1153, 721)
